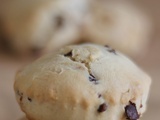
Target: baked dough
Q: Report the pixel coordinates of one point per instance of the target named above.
(30, 26)
(118, 24)
(35, 25)
(82, 82)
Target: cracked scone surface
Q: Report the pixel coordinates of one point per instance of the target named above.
(82, 82)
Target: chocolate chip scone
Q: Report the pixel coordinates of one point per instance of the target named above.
(31, 26)
(82, 82)
(122, 25)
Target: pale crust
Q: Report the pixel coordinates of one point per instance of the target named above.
(122, 26)
(41, 24)
(58, 86)
(48, 25)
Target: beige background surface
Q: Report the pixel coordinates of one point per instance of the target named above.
(150, 62)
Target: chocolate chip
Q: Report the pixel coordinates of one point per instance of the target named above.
(36, 51)
(59, 21)
(112, 51)
(93, 79)
(99, 95)
(30, 99)
(68, 54)
(107, 46)
(131, 111)
(102, 107)
(21, 98)
(128, 90)
(19, 93)
(141, 106)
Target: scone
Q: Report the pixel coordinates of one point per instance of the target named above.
(30, 26)
(82, 82)
(119, 24)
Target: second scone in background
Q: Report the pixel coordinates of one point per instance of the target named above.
(44, 26)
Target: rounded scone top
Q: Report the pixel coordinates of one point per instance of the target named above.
(82, 82)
